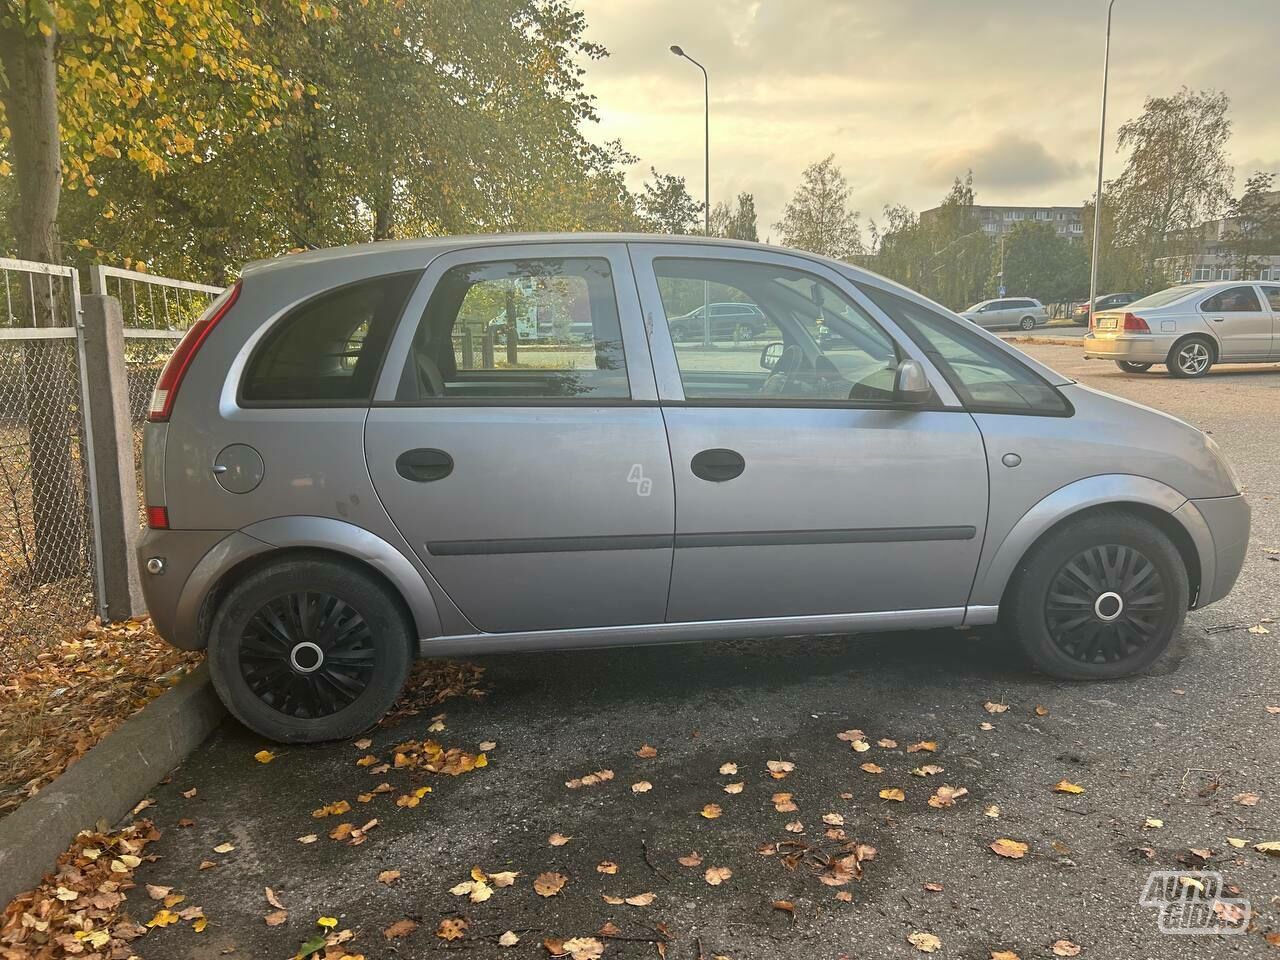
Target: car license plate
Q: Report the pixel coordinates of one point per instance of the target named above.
(1106, 323)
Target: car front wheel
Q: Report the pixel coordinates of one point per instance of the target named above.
(1098, 599)
(309, 649)
(1129, 366)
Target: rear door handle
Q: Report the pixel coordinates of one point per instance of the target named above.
(424, 465)
(717, 465)
(1217, 319)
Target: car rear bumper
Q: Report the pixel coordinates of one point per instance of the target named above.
(1228, 521)
(1135, 348)
(190, 562)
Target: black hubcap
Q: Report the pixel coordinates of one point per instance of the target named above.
(1105, 604)
(306, 654)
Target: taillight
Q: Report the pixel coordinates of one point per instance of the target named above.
(1135, 324)
(171, 376)
(158, 518)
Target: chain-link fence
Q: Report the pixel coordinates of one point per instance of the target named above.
(46, 532)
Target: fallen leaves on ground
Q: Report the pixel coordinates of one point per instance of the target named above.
(429, 755)
(643, 786)
(711, 811)
(1065, 948)
(893, 793)
(452, 928)
(783, 803)
(1246, 799)
(558, 839)
(86, 895)
(1012, 849)
(995, 707)
(927, 746)
(401, 928)
(606, 866)
(1268, 846)
(1153, 823)
(928, 770)
(872, 768)
(264, 756)
(779, 768)
(717, 875)
(1066, 786)
(389, 876)
(924, 942)
(508, 939)
(728, 769)
(734, 787)
(647, 752)
(692, 859)
(549, 884)
(54, 708)
(946, 796)
(590, 780)
(432, 682)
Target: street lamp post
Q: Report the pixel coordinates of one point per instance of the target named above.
(1097, 197)
(706, 120)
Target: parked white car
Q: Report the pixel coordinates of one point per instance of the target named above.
(1023, 313)
(1189, 328)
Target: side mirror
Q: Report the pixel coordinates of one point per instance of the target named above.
(911, 383)
(770, 355)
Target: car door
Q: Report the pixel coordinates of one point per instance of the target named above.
(1239, 321)
(1271, 292)
(535, 485)
(802, 487)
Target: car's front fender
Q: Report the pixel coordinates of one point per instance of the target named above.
(999, 560)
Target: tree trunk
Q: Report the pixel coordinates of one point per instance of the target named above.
(31, 105)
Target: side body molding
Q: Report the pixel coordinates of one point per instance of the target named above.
(998, 562)
(337, 535)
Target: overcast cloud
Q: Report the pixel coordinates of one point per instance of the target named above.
(909, 94)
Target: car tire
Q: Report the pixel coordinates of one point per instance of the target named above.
(1027, 323)
(1192, 357)
(1098, 599)
(309, 649)
(1129, 366)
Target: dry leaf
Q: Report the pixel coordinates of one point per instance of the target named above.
(693, 859)
(779, 768)
(991, 810)
(860, 746)
(893, 793)
(783, 803)
(276, 917)
(850, 735)
(558, 839)
(644, 786)
(1041, 711)
(872, 768)
(364, 743)
(1268, 846)
(986, 726)
(1152, 823)
(711, 811)
(733, 787)
(1258, 629)
(647, 752)
(833, 819)
(717, 875)
(1065, 948)
(1236, 842)
(389, 876)
(508, 939)
(264, 756)
(451, 928)
(159, 893)
(549, 884)
(583, 948)
(1246, 799)
(933, 887)
(946, 796)
(1066, 786)
(504, 878)
(795, 826)
(928, 746)
(486, 745)
(1013, 849)
(887, 743)
(641, 899)
(271, 899)
(1004, 955)
(928, 770)
(223, 848)
(309, 838)
(844, 896)
(606, 866)
(995, 707)
(924, 942)
(728, 769)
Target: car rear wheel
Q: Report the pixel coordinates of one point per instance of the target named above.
(309, 649)
(1129, 366)
(1027, 323)
(1099, 599)
(1191, 357)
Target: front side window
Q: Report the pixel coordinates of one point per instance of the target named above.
(1273, 297)
(984, 377)
(538, 329)
(1232, 300)
(778, 335)
(328, 349)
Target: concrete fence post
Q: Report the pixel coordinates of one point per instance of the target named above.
(112, 440)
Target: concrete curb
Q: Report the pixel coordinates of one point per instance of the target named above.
(106, 782)
(1036, 338)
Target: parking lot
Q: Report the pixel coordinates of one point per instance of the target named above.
(746, 858)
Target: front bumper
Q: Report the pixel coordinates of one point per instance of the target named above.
(1132, 347)
(1228, 521)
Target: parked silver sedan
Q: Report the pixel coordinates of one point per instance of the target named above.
(336, 482)
(1189, 328)
(1023, 313)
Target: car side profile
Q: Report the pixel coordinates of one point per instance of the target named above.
(728, 320)
(1023, 313)
(1191, 327)
(338, 479)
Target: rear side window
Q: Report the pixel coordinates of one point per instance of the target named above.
(327, 350)
(984, 377)
(1232, 300)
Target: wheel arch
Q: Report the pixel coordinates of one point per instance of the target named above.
(1158, 503)
(281, 538)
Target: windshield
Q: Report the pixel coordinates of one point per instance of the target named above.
(1163, 297)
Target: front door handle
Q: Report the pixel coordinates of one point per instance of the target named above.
(1217, 319)
(424, 465)
(718, 465)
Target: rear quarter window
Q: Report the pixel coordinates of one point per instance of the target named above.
(327, 350)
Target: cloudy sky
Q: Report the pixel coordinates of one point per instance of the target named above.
(910, 93)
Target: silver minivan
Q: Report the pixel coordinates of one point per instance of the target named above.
(342, 472)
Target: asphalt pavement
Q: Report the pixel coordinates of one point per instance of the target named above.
(1167, 763)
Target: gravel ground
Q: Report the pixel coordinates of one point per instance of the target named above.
(1176, 745)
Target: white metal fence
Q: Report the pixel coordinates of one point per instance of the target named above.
(50, 542)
